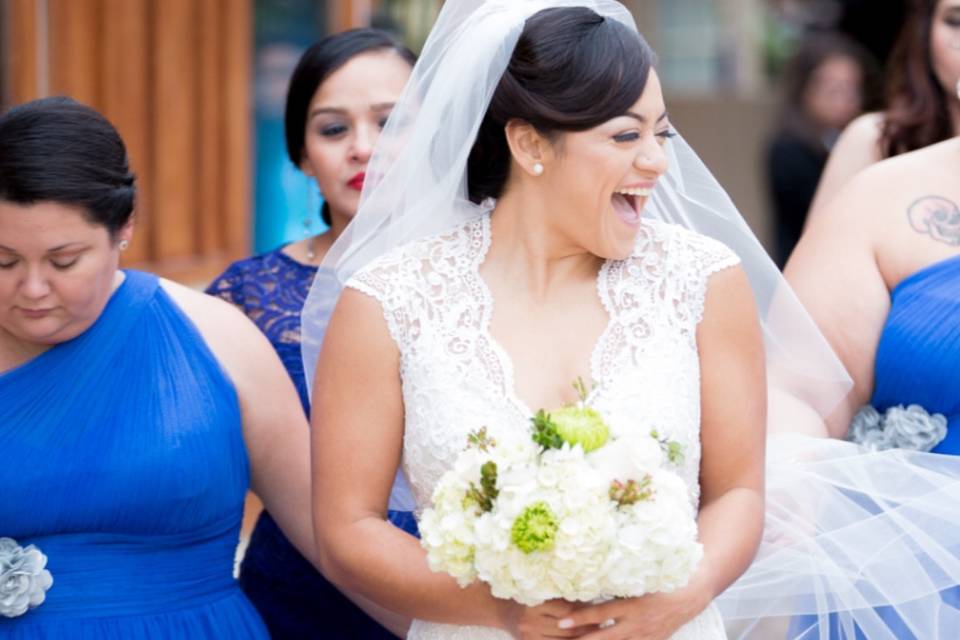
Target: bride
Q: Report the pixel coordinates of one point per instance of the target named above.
(492, 319)
(500, 253)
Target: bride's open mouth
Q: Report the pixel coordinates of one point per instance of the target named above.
(628, 203)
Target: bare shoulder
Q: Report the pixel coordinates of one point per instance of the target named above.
(857, 148)
(233, 338)
(930, 165)
(359, 320)
(863, 133)
(885, 190)
(730, 296)
(730, 321)
(208, 313)
(868, 197)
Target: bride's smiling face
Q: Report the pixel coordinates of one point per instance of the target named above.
(603, 177)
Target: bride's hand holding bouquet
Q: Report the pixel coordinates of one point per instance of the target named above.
(567, 514)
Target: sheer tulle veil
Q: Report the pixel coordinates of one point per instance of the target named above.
(828, 504)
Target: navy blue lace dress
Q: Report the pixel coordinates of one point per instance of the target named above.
(293, 598)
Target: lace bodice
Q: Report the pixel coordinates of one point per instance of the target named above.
(456, 378)
(271, 288)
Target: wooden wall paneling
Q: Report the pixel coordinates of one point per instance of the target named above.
(174, 123)
(24, 72)
(126, 101)
(209, 214)
(237, 116)
(74, 39)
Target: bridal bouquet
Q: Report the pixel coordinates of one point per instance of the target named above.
(569, 512)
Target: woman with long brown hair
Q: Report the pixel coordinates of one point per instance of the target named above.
(923, 105)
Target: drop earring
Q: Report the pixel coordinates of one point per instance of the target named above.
(312, 207)
(538, 169)
(313, 210)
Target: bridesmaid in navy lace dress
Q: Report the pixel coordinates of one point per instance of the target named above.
(339, 98)
(880, 273)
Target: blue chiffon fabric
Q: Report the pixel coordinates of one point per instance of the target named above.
(917, 361)
(294, 599)
(124, 462)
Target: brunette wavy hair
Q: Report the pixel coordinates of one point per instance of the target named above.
(917, 112)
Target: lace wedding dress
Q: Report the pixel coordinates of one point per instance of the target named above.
(456, 378)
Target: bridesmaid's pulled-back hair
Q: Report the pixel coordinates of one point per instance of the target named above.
(58, 150)
(572, 70)
(316, 65)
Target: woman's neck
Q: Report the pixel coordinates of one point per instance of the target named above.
(314, 249)
(529, 249)
(15, 352)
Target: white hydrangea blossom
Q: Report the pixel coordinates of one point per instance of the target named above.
(581, 544)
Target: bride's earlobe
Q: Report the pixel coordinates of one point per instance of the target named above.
(526, 146)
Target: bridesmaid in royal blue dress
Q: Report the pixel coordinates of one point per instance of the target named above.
(339, 98)
(880, 272)
(132, 420)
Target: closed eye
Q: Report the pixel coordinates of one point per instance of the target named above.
(64, 265)
(627, 137)
(666, 134)
(8, 265)
(333, 131)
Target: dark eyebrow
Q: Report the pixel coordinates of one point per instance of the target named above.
(70, 245)
(380, 106)
(77, 245)
(333, 110)
(637, 116)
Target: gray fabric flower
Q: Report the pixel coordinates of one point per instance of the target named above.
(23, 578)
(899, 428)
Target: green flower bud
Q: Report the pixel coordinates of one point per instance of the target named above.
(581, 425)
(535, 529)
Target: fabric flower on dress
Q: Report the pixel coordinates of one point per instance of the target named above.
(24, 580)
(899, 428)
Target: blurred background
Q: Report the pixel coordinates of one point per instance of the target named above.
(197, 89)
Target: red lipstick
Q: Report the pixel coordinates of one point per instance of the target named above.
(356, 182)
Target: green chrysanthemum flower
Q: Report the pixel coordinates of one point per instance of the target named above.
(535, 529)
(581, 425)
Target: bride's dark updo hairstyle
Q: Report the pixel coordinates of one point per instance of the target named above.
(572, 70)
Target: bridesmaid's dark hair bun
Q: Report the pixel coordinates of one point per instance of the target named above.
(572, 69)
(58, 150)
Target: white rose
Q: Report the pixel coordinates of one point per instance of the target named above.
(627, 458)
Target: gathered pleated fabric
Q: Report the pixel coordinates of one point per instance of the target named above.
(862, 545)
(124, 463)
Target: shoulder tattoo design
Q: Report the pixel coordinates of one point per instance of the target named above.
(937, 217)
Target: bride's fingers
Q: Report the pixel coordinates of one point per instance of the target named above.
(541, 621)
(555, 608)
(595, 615)
(551, 632)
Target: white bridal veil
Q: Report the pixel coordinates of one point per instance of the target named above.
(846, 531)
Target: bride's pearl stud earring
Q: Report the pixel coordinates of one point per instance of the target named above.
(124, 245)
(538, 169)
